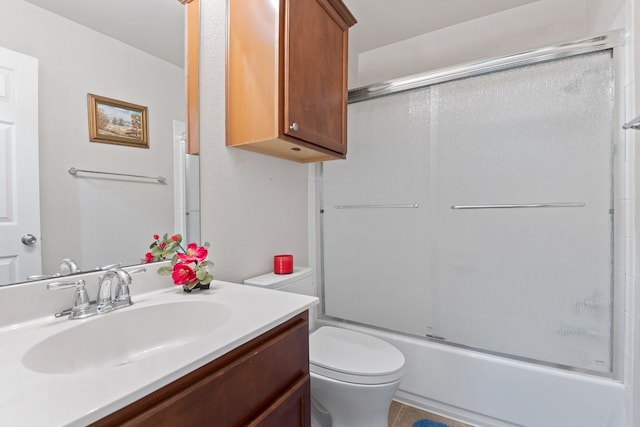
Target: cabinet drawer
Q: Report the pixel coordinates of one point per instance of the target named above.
(231, 390)
(292, 409)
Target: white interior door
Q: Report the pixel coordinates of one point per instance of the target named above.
(20, 249)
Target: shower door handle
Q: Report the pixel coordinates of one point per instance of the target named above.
(523, 205)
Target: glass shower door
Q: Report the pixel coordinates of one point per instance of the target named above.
(479, 211)
(525, 280)
(378, 233)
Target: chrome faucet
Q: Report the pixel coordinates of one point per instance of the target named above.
(66, 267)
(106, 301)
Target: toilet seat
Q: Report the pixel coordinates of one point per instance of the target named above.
(354, 357)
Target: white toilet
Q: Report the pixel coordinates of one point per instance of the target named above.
(354, 376)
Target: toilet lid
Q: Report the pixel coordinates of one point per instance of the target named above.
(350, 356)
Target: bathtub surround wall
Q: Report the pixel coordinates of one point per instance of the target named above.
(79, 215)
(628, 190)
(632, 230)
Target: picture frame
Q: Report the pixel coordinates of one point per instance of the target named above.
(117, 122)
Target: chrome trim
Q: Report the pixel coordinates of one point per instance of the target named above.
(562, 50)
(324, 319)
(633, 124)
(525, 205)
(161, 180)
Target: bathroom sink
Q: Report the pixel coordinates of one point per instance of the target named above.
(125, 336)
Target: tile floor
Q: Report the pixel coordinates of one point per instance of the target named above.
(401, 415)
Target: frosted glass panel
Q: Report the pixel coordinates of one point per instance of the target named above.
(534, 283)
(375, 264)
(529, 282)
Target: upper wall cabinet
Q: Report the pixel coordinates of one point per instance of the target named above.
(287, 78)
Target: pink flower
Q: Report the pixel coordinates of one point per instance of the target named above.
(162, 245)
(148, 257)
(183, 273)
(194, 253)
(175, 238)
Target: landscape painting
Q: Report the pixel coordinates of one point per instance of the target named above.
(117, 122)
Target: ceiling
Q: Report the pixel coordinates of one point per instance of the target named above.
(157, 26)
(153, 26)
(382, 22)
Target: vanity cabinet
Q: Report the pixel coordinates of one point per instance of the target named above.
(264, 382)
(287, 77)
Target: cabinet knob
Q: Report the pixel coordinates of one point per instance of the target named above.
(294, 126)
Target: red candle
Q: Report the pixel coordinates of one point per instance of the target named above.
(283, 264)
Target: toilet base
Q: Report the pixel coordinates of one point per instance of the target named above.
(353, 405)
(319, 415)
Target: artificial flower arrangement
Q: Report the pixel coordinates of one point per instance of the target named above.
(189, 267)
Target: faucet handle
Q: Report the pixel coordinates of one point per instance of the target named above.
(80, 308)
(122, 289)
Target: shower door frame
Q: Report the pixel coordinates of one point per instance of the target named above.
(614, 40)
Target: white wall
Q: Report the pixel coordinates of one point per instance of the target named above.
(94, 220)
(252, 206)
(514, 30)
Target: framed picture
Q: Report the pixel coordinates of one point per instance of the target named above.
(117, 122)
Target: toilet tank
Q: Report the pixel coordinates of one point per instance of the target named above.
(298, 282)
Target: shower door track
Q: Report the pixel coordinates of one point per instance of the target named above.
(562, 50)
(362, 327)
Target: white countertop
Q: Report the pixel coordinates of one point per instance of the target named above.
(29, 398)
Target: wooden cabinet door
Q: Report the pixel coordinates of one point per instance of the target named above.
(315, 74)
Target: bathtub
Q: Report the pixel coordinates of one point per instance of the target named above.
(493, 391)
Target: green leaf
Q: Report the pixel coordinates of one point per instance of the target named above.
(206, 264)
(164, 271)
(166, 253)
(207, 279)
(201, 273)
